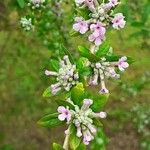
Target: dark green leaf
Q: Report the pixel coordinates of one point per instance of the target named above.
(50, 120)
(84, 52)
(103, 49)
(21, 3)
(54, 64)
(64, 103)
(81, 147)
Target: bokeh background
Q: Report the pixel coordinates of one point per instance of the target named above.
(25, 55)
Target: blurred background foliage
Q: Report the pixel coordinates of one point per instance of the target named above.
(25, 55)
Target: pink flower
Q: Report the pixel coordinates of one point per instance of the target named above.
(98, 35)
(113, 3)
(118, 21)
(64, 114)
(122, 63)
(80, 25)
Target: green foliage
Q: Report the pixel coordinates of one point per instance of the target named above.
(74, 140)
(50, 120)
(78, 94)
(47, 92)
(21, 3)
(100, 141)
(57, 147)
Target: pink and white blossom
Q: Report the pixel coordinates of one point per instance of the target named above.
(122, 63)
(118, 21)
(80, 25)
(65, 114)
(113, 3)
(98, 35)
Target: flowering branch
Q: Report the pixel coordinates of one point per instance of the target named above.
(79, 107)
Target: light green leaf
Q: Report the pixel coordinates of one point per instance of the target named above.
(74, 140)
(57, 147)
(78, 93)
(47, 92)
(50, 120)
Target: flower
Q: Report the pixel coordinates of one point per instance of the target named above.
(26, 23)
(98, 35)
(64, 114)
(118, 21)
(101, 70)
(122, 63)
(36, 3)
(80, 25)
(113, 3)
(82, 118)
(66, 77)
(98, 28)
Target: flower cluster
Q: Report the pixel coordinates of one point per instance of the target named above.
(26, 23)
(66, 77)
(82, 118)
(101, 16)
(104, 69)
(36, 3)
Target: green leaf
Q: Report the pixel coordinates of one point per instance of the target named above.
(21, 3)
(64, 103)
(78, 93)
(100, 101)
(103, 49)
(55, 64)
(84, 13)
(83, 68)
(115, 58)
(84, 52)
(47, 92)
(74, 140)
(100, 141)
(81, 147)
(57, 147)
(73, 33)
(50, 121)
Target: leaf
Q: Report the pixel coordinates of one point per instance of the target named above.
(115, 58)
(81, 147)
(55, 64)
(47, 92)
(50, 120)
(64, 103)
(100, 101)
(78, 93)
(100, 141)
(73, 33)
(84, 13)
(103, 49)
(21, 3)
(83, 68)
(74, 140)
(57, 147)
(87, 54)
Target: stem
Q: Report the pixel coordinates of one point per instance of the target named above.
(66, 141)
